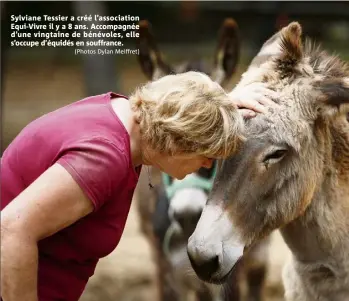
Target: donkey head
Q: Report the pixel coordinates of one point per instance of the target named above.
(226, 56)
(178, 208)
(289, 155)
(188, 197)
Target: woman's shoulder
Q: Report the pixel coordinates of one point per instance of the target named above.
(105, 97)
(87, 129)
(89, 119)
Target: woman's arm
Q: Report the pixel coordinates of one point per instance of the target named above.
(51, 203)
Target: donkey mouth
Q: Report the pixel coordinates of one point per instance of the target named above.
(210, 271)
(217, 278)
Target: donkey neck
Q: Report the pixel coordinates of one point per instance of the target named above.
(319, 243)
(320, 235)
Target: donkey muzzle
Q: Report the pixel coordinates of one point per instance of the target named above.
(214, 248)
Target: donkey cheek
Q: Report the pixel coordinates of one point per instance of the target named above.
(307, 197)
(248, 229)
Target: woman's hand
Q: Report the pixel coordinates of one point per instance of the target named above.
(253, 99)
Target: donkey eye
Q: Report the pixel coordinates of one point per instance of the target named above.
(275, 155)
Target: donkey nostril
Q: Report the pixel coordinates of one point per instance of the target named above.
(196, 218)
(205, 269)
(180, 218)
(181, 221)
(210, 266)
(187, 221)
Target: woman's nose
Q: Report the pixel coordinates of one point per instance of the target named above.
(208, 163)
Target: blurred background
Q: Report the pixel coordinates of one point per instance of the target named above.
(38, 80)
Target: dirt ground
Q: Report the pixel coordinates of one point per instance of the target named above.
(128, 273)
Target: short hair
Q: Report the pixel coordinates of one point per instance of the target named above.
(188, 113)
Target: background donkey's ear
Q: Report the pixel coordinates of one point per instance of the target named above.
(334, 94)
(150, 58)
(227, 52)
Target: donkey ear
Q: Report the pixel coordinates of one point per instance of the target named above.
(150, 58)
(291, 49)
(227, 52)
(334, 93)
(284, 47)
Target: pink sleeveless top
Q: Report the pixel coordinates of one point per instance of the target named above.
(88, 139)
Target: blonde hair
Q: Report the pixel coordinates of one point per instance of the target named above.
(188, 113)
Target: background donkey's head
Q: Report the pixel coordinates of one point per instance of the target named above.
(290, 156)
(226, 55)
(187, 204)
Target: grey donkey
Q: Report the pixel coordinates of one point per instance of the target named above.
(291, 174)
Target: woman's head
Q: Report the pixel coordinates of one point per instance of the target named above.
(187, 117)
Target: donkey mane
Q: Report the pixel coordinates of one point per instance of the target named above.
(307, 63)
(328, 65)
(291, 50)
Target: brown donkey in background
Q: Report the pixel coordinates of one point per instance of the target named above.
(253, 268)
(292, 174)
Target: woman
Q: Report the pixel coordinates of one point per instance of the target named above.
(69, 176)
